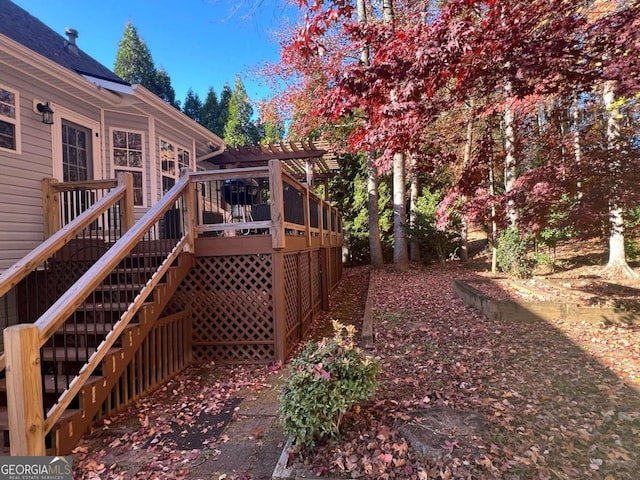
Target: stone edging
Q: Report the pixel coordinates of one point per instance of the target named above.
(527, 311)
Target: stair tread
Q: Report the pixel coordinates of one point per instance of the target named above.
(91, 328)
(71, 354)
(111, 306)
(68, 414)
(51, 380)
(118, 286)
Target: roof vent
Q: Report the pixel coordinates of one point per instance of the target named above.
(70, 44)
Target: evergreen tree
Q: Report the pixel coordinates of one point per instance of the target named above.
(133, 59)
(239, 129)
(163, 88)
(135, 65)
(223, 111)
(193, 106)
(209, 114)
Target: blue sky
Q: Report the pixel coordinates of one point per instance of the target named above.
(200, 43)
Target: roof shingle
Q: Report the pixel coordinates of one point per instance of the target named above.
(27, 30)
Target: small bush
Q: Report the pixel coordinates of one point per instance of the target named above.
(512, 254)
(631, 249)
(326, 379)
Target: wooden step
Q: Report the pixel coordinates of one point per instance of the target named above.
(125, 287)
(50, 382)
(140, 269)
(91, 328)
(66, 416)
(80, 354)
(110, 306)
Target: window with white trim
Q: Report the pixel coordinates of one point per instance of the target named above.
(9, 120)
(173, 159)
(128, 156)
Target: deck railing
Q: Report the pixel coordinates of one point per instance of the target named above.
(262, 200)
(29, 287)
(62, 202)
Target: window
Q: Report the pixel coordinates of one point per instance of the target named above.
(9, 125)
(173, 159)
(127, 157)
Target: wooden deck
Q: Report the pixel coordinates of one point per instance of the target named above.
(231, 265)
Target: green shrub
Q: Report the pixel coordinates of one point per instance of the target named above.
(435, 244)
(631, 249)
(326, 379)
(513, 255)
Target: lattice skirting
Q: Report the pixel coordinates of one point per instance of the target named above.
(232, 302)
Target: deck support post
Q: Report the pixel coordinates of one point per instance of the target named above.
(277, 204)
(190, 215)
(127, 217)
(50, 207)
(24, 392)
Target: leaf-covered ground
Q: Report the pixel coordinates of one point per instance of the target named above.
(552, 396)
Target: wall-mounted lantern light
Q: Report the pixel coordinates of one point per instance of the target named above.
(47, 113)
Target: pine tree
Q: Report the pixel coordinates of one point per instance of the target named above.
(222, 114)
(209, 114)
(133, 59)
(239, 129)
(135, 65)
(193, 106)
(163, 88)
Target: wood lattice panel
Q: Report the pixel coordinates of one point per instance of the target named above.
(317, 286)
(305, 292)
(232, 302)
(292, 307)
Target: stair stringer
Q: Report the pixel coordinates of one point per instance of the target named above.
(67, 433)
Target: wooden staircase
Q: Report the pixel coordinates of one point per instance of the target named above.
(67, 352)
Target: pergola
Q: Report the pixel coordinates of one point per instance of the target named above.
(305, 160)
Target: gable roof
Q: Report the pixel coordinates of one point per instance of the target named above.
(22, 27)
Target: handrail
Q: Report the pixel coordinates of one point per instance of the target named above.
(56, 411)
(83, 185)
(69, 302)
(23, 267)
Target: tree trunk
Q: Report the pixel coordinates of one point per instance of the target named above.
(617, 265)
(464, 226)
(400, 257)
(400, 254)
(493, 240)
(414, 246)
(510, 163)
(375, 247)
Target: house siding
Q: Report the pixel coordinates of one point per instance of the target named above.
(21, 219)
(21, 175)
